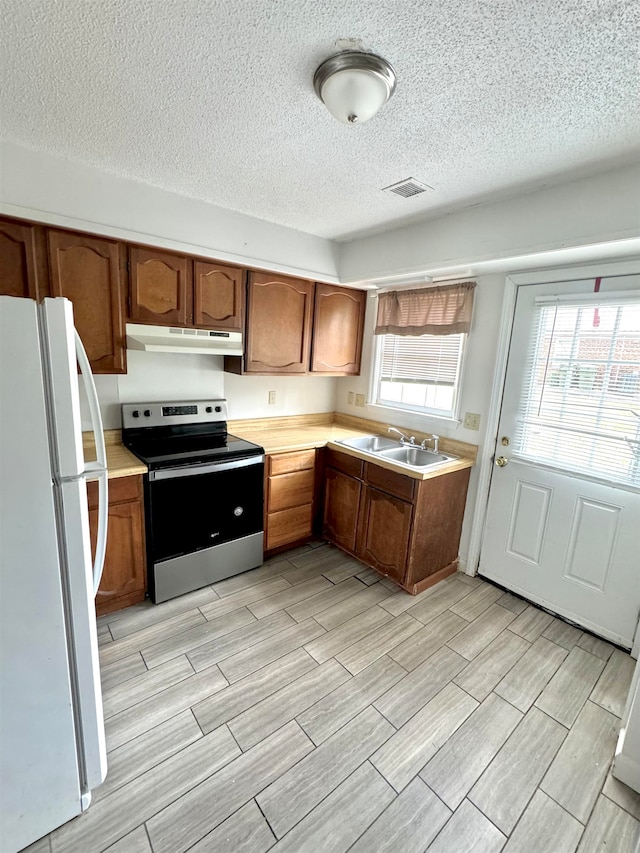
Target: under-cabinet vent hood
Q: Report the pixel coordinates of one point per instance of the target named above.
(170, 339)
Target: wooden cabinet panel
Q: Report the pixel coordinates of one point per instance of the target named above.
(160, 287)
(288, 526)
(289, 490)
(384, 529)
(124, 576)
(341, 506)
(390, 481)
(88, 271)
(343, 462)
(286, 463)
(218, 292)
(278, 324)
(23, 265)
(338, 324)
(290, 502)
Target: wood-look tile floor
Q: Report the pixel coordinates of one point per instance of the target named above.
(309, 705)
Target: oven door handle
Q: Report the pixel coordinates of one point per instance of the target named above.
(210, 468)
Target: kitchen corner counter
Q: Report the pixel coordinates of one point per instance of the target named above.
(280, 435)
(120, 461)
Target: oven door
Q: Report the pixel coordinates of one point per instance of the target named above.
(193, 508)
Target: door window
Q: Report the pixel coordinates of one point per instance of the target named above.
(580, 403)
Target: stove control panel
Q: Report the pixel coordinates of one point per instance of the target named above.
(136, 415)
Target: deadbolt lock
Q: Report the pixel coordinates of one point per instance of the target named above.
(501, 461)
(505, 441)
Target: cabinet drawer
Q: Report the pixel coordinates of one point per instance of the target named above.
(286, 463)
(345, 463)
(390, 481)
(121, 489)
(289, 526)
(289, 490)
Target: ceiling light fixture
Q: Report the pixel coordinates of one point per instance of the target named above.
(353, 86)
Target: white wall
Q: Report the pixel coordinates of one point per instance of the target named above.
(39, 186)
(581, 214)
(476, 384)
(179, 376)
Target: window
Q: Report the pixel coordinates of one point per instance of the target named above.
(580, 405)
(419, 373)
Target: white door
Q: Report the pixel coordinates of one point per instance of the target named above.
(563, 519)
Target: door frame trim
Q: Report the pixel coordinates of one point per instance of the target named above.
(486, 452)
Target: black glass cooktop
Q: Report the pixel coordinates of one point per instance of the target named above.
(170, 451)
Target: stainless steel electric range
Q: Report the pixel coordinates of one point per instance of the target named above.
(203, 494)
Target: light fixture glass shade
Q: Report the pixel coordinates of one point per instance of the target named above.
(354, 86)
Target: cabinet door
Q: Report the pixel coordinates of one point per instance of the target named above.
(124, 577)
(160, 287)
(384, 527)
(88, 271)
(218, 296)
(278, 324)
(338, 323)
(341, 503)
(23, 265)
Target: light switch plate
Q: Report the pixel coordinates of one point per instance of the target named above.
(471, 420)
(360, 400)
(272, 397)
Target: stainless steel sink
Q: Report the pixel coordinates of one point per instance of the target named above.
(369, 443)
(416, 456)
(386, 448)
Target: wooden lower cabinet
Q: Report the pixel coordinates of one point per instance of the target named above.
(385, 526)
(124, 578)
(405, 528)
(290, 498)
(341, 504)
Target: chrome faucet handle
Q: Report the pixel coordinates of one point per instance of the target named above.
(403, 437)
(412, 440)
(424, 444)
(436, 441)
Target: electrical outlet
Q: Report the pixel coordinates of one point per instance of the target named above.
(360, 400)
(350, 397)
(272, 397)
(471, 420)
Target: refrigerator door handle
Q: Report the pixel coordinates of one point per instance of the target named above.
(101, 539)
(92, 399)
(100, 466)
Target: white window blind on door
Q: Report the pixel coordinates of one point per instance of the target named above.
(580, 404)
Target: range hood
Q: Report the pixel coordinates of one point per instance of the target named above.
(171, 339)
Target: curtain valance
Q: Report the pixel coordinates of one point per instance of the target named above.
(444, 310)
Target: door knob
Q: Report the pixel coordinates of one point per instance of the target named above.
(501, 461)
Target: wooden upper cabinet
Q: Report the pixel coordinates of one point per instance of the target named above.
(218, 292)
(89, 272)
(160, 287)
(23, 264)
(338, 325)
(278, 324)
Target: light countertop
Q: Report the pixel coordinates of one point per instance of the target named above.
(282, 435)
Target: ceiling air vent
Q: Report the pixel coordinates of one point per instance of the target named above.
(407, 188)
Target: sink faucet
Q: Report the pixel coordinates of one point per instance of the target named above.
(436, 441)
(403, 437)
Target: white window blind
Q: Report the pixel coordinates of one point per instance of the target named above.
(580, 404)
(420, 373)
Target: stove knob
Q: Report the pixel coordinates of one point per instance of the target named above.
(209, 409)
(147, 413)
(135, 413)
(218, 408)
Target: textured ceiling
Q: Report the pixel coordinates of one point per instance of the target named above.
(215, 99)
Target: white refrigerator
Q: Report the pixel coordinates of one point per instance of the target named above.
(52, 745)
